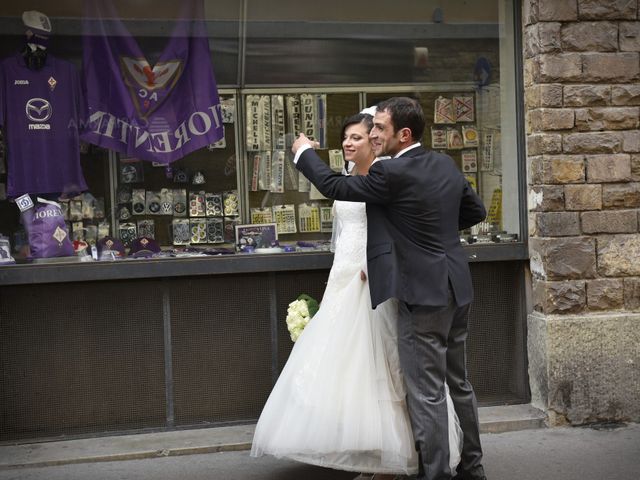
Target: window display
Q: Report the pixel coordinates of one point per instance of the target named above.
(177, 130)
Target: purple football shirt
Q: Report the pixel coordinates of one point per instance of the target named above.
(40, 112)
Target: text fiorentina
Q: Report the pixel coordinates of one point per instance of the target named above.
(199, 123)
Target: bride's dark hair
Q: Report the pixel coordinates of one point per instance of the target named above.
(365, 119)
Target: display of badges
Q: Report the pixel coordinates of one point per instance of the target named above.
(198, 230)
(153, 202)
(138, 201)
(469, 161)
(131, 170)
(180, 230)
(166, 202)
(230, 229)
(454, 139)
(196, 204)
(443, 111)
(261, 215)
(214, 205)
(179, 202)
(464, 109)
(285, 218)
(215, 230)
(470, 137)
(230, 204)
(308, 218)
(438, 138)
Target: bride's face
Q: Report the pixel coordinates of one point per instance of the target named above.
(356, 144)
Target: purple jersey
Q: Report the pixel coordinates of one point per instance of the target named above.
(40, 112)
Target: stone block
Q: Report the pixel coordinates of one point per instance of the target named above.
(557, 169)
(618, 255)
(629, 36)
(549, 37)
(608, 168)
(597, 142)
(546, 198)
(563, 258)
(583, 197)
(532, 96)
(610, 221)
(550, 95)
(610, 67)
(589, 37)
(607, 118)
(529, 12)
(587, 95)
(560, 67)
(632, 293)
(605, 294)
(557, 224)
(544, 143)
(635, 168)
(625, 94)
(557, 10)
(621, 195)
(608, 9)
(631, 141)
(586, 366)
(568, 296)
(531, 71)
(531, 41)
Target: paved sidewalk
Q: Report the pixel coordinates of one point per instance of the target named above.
(204, 440)
(578, 453)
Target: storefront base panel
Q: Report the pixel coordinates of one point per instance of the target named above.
(130, 355)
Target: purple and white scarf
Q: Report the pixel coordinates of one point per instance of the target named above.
(157, 112)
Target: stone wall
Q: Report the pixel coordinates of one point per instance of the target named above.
(582, 104)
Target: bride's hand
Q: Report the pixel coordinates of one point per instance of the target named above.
(363, 276)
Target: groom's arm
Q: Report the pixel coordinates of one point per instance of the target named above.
(370, 188)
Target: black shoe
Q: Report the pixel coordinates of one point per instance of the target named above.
(476, 474)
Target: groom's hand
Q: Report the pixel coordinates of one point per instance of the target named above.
(303, 140)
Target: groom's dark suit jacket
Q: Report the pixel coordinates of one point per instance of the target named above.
(416, 204)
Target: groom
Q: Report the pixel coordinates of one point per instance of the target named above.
(417, 202)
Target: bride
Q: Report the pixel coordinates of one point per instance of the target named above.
(340, 401)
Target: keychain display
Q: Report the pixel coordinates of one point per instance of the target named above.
(153, 201)
(127, 232)
(179, 202)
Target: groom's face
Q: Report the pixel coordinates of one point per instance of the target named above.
(384, 139)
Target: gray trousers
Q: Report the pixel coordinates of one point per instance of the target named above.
(431, 344)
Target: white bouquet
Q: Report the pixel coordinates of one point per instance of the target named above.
(299, 313)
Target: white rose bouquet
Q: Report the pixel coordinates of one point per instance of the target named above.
(299, 313)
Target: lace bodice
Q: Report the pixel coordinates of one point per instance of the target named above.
(351, 241)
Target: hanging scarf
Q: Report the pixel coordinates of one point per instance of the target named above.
(157, 112)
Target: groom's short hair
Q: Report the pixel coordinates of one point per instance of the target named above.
(405, 112)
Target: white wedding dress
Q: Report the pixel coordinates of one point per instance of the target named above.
(339, 401)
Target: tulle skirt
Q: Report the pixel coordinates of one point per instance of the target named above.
(339, 401)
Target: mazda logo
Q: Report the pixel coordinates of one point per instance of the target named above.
(38, 110)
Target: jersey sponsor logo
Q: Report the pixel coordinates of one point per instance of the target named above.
(38, 110)
(21, 82)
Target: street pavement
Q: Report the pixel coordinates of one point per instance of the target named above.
(602, 452)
